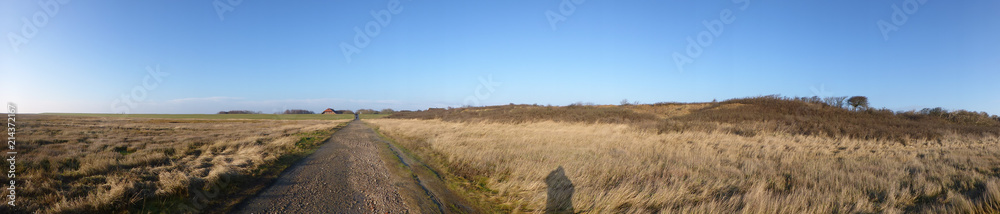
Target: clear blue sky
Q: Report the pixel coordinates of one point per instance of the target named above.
(272, 55)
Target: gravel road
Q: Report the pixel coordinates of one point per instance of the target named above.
(345, 175)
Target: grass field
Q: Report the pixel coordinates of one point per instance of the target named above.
(72, 164)
(757, 155)
(231, 116)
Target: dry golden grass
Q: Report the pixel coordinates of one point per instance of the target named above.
(93, 164)
(747, 116)
(668, 110)
(622, 168)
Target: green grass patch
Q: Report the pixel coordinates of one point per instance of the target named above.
(311, 139)
(124, 150)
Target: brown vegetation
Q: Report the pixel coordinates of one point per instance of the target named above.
(798, 116)
(752, 155)
(532, 113)
(373, 111)
(98, 165)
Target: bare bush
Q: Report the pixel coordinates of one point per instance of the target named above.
(367, 111)
(835, 101)
(858, 102)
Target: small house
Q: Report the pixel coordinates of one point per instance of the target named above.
(331, 111)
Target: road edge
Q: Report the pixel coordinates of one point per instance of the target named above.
(431, 182)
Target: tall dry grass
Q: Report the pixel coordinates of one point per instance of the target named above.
(626, 168)
(70, 164)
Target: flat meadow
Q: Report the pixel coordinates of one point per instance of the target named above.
(101, 164)
(753, 155)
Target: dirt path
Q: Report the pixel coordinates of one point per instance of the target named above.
(348, 174)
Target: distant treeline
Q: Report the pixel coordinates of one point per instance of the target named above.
(240, 112)
(372, 111)
(302, 111)
(298, 111)
(289, 111)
